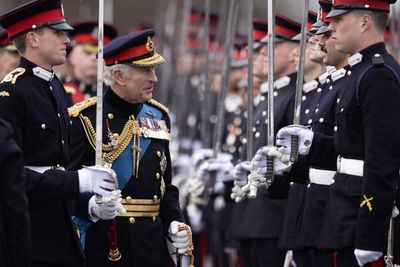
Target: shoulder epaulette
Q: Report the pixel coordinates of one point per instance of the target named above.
(76, 109)
(158, 105)
(13, 75)
(378, 59)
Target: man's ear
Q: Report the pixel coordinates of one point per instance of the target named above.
(32, 39)
(365, 21)
(118, 77)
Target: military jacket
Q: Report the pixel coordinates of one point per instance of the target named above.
(15, 241)
(33, 101)
(77, 91)
(367, 128)
(141, 239)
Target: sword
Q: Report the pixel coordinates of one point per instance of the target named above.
(269, 176)
(231, 26)
(271, 61)
(114, 254)
(389, 255)
(250, 89)
(299, 83)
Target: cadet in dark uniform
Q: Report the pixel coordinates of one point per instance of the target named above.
(366, 137)
(82, 84)
(9, 57)
(258, 229)
(136, 144)
(33, 101)
(15, 242)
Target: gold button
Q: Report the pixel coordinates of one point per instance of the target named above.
(110, 116)
(43, 126)
(128, 198)
(132, 220)
(155, 197)
(157, 176)
(158, 153)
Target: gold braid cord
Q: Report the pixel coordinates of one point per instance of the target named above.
(111, 152)
(189, 253)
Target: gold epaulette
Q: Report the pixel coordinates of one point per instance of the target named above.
(158, 105)
(76, 109)
(13, 75)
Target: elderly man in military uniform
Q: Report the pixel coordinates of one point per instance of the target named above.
(33, 101)
(136, 138)
(9, 57)
(366, 137)
(15, 236)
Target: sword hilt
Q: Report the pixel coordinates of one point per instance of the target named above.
(270, 171)
(294, 148)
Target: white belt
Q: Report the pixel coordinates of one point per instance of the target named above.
(321, 177)
(350, 166)
(42, 169)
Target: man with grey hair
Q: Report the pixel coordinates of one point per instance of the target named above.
(136, 145)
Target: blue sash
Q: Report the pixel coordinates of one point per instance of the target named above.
(123, 167)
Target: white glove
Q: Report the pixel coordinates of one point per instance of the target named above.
(366, 256)
(108, 209)
(98, 180)
(283, 139)
(180, 239)
(222, 166)
(259, 162)
(201, 155)
(195, 216)
(240, 173)
(196, 187)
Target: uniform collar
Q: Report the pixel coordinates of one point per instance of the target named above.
(368, 53)
(355, 59)
(322, 78)
(330, 69)
(310, 86)
(119, 104)
(36, 70)
(282, 82)
(340, 73)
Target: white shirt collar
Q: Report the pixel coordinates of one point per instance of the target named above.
(43, 73)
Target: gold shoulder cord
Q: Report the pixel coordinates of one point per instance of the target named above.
(110, 152)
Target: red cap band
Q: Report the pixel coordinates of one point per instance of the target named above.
(127, 54)
(37, 19)
(285, 31)
(258, 35)
(368, 4)
(85, 38)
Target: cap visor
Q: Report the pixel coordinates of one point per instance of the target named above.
(322, 30)
(336, 13)
(61, 26)
(154, 60)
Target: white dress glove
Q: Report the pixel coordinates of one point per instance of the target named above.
(365, 256)
(180, 239)
(281, 161)
(283, 139)
(196, 187)
(98, 180)
(240, 173)
(108, 209)
(195, 216)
